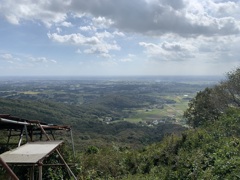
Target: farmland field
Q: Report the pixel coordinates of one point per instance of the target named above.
(167, 113)
(144, 100)
(126, 111)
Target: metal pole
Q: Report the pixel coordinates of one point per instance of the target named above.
(26, 132)
(9, 136)
(32, 173)
(52, 134)
(20, 138)
(64, 162)
(68, 168)
(14, 122)
(72, 143)
(8, 169)
(40, 171)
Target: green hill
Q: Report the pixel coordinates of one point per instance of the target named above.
(87, 129)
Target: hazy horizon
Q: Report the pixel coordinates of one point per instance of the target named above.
(165, 78)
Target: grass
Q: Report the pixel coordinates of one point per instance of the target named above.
(133, 120)
(30, 92)
(170, 110)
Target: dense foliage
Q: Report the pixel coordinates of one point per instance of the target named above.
(204, 153)
(209, 151)
(209, 104)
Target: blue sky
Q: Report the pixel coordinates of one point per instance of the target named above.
(127, 37)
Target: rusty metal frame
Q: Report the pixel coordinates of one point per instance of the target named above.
(28, 127)
(8, 169)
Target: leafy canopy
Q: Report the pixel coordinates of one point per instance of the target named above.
(210, 103)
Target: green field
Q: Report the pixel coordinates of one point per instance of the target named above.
(169, 112)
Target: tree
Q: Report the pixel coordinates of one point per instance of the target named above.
(201, 109)
(210, 103)
(232, 87)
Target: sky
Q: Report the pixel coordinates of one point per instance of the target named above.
(119, 37)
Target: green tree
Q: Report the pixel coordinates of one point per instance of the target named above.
(232, 87)
(210, 103)
(202, 109)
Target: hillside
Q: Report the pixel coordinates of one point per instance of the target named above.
(87, 129)
(208, 150)
(104, 111)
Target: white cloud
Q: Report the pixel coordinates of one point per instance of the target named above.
(48, 12)
(186, 18)
(12, 19)
(88, 28)
(66, 24)
(152, 17)
(102, 48)
(102, 22)
(6, 56)
(58, 29)
(25, 60)
(103, 35)
(202, 49)
(9, 58)
(118, 34)
(223, 9)
(129, 58)
(94, 45)
(41, 60)
(167, 51)
(53, 61)
(173, 47)
(75, 39)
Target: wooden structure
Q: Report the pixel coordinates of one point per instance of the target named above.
(33, 152)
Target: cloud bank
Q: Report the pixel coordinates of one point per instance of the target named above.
(153, 17)
(203, 32)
